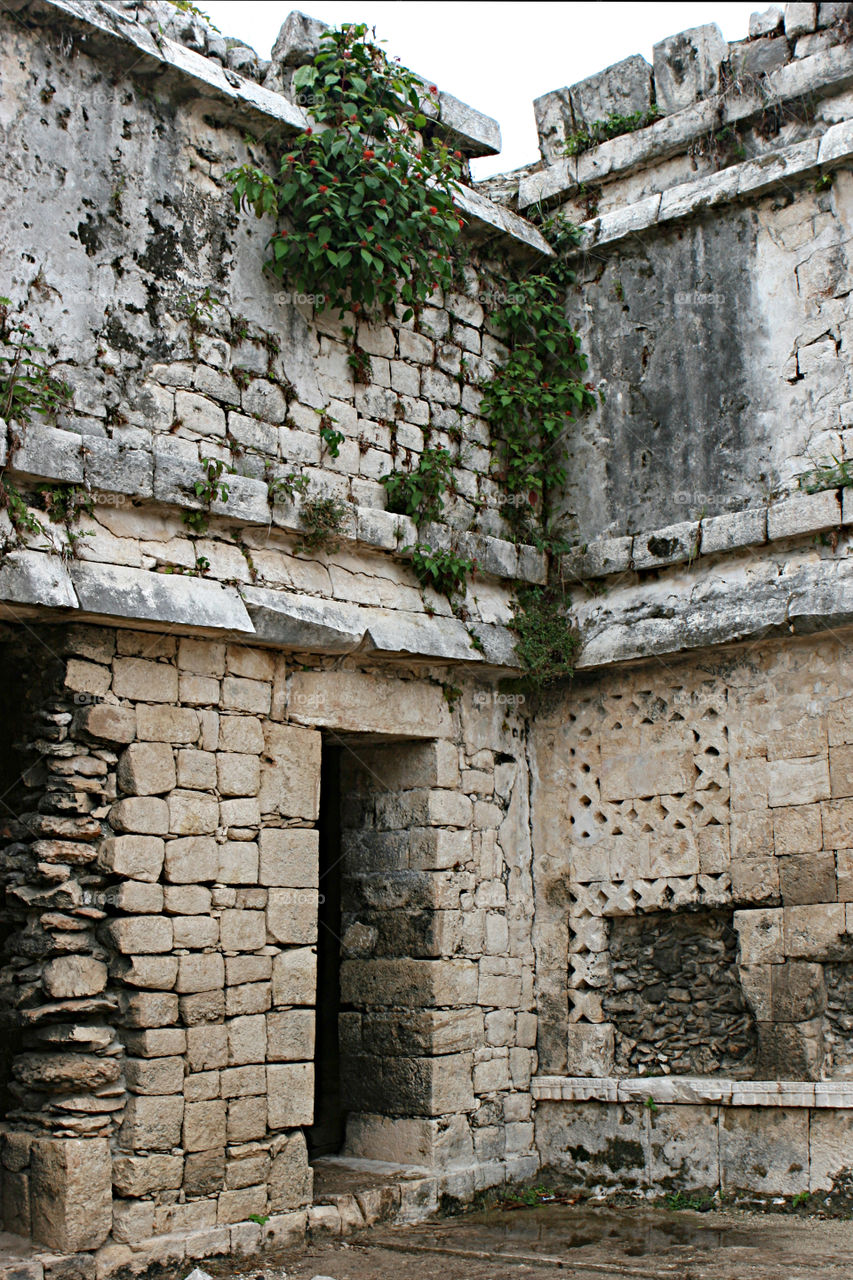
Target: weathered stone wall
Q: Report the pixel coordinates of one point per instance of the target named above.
(687, 785)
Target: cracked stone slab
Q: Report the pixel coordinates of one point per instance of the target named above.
(116, 591)
(417, 635)
(36, 578)
(303, 622)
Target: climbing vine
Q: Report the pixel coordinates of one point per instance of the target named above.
(539, 392)
(363, 199)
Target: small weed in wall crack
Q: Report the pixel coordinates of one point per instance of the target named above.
(209, 489)
(322, 521)
(546, 639)
(419, 493)
(441, 568)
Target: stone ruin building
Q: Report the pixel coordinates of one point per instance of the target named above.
(294, 890)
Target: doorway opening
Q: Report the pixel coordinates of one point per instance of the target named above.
(326, 1135)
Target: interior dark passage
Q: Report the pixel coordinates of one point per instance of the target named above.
(326, 1135)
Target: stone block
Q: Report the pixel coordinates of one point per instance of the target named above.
(837, 822)
(290, 1094)
(196, 770)
(290, 773)
(140, 935)
(242, 930)
(289, 857)
(186, 900)
(179, 725)
(202, 657)
(360, 703)
(204, 1125)
(245, 695)
(207, 1047)
(294, 977)
(247, 1119)
(149, 1009)
(251, 997)
(238, 775)
(155, 1076)
(142, 1175)
(243, 1082)
(195, 931)
(152, 1123)
(238, 862)
(291, 916)
(247, 1040)
(590, 1049)
(71, 1192)
(202, 1006)
(204, 1172)
(69, 977)
(830, 1139)
(192, 813)
(594, 1144)
(800, 19)
(200, 972)
(290, 1036)
(191, 860)
(797, 830)
(764, 1149)
(687, 67)
(796, 782)
(142, 815)
(142, 681)
(807, 878)
(760, 936)
(683, 1147)
(146, 768)
(813, 932)
(159, 1042)
(798, 993)
(109, 723)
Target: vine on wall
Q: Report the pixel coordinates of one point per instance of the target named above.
(366, 222)
(364, 201)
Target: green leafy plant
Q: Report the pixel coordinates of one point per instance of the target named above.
(540, 390)
(65, 503)
(22, 518)
(261, 1218)
(363, 198)
(209, 488)
(546, 639)
(186, 6)
(322, 521)
(835, 474)
(419, 493)
(824, 182)
(26, 384)
(801, 1199)
(684, 1200)
(359, 361)
(440, 568)
(284, 488)
(332, 439)
(598, 131)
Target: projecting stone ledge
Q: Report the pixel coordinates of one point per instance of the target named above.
(690, 1090)
(116, 591)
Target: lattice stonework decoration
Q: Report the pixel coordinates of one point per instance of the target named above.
(648, 816)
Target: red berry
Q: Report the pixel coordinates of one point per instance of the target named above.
(308, 132)
(461, 222)
(458, 155)
(368, 154)
(433, 209)
(353, 118)
(383, 201)
(433, 88)
(311, 164)
(323, 188)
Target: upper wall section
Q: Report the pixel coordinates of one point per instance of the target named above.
(714, 193)
(122, 250)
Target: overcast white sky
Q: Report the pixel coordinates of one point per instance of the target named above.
(496, 56)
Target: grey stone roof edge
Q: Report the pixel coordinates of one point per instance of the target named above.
(247, 103)
(690, 1090)
(39, 585)
(830, 71)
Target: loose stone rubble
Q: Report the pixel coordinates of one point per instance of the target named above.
(606, 931)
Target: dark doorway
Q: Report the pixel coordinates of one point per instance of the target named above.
(326, 1135)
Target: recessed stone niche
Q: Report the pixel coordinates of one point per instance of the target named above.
(676, 1002)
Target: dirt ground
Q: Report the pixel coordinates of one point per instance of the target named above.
(583, 1242)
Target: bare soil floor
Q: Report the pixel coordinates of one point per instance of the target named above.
(583, 1242)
